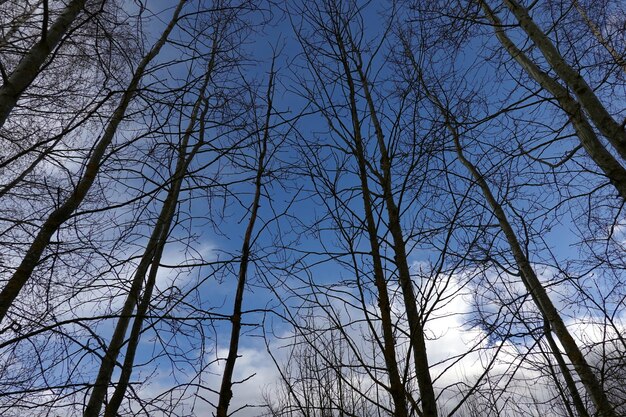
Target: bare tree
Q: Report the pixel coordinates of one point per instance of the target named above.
(605, 41)
(29, 66)
(439, 230)
(65, 210)
(225, 392)
(138, 297)
(530, 279)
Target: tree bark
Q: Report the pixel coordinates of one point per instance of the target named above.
(565, 371)
(396, 388)
(600, 117)
(152, 252)
(611, 167)
(65, 210)
(162, 229)
(535, 288)
(28, 68)
(226, 392)
(414, 318)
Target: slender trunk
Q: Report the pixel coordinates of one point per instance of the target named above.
(611, 167)
(529, 278)
(565, 372)
(396, 389)
(152, 252)
(110, 357)
(601, 118)
(65, 210)
(15, 25)
(167, 214)
(414, 318)
(226, 392)
(619, 59)
(28, 68)
(163, 224)
(535, 288)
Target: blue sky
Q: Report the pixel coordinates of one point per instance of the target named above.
(565, 230)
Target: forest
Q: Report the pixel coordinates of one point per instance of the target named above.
(313, 208)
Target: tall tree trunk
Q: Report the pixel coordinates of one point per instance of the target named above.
(414, 318)
(611, 167)
(153, 251)
(28, 68)
(534, 286)
(65, 210)
(163, 225)
(397, 388)
(601, 118)
(529, 278)
(226, 391)
(617, 57)
(565, 371)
